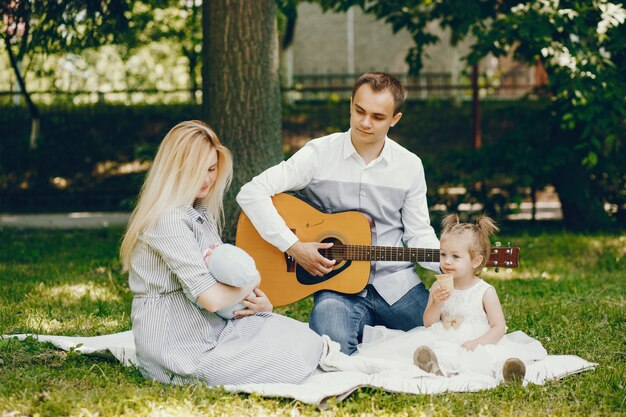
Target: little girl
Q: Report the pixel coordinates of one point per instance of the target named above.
(464, 328)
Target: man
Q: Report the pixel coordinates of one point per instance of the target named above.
(362, 170)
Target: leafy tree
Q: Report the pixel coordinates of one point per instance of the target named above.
(47, 27)
(180, 20)
(580, 43)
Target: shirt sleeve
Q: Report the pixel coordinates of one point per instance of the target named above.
(418, 233)
(255, 196)
(172, 238)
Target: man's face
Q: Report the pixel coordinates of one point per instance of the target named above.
(371, 115)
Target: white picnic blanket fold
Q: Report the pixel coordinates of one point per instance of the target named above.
(339, 375)
(334, 360)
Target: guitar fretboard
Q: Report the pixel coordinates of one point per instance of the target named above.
(382, 253)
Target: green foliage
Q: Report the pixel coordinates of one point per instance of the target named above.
(50, 26)
(167, 20)
(580, 43)
(567, 293)
(87, 147)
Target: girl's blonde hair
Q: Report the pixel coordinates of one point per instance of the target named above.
(481, 229)
(177, 173)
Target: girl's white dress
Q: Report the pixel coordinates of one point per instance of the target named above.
(463, 319)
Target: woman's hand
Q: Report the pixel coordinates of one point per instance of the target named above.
(440, 295)
(254, 304)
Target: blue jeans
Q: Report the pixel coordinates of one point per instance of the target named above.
(342, 317)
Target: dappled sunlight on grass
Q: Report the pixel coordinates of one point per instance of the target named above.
(186, 408)
(83, 323)
(526, 274)
(174, 408)
(559, 258)
(67, 294)
(38, 323)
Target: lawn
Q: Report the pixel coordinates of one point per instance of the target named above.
(568, 293)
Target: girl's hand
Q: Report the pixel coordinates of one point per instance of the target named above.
(440, 295)
(470, 345)
(255, 304)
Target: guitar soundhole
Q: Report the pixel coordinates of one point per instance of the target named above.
(305, 278)
(333, 253)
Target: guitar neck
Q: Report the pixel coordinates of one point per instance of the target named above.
(382, 253)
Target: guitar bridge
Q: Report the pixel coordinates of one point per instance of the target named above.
(290, 262)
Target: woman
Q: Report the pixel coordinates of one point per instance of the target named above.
(177, 218)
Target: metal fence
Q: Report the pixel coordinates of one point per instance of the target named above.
(427, 86)
(511, 85)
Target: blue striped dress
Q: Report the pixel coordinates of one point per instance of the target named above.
(178, 342)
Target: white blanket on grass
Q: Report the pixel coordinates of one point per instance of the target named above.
(342, 374)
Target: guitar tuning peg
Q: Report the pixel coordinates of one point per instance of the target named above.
(497, 269)
(508, 244)
(498, 244)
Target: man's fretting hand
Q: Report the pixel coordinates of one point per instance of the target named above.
(307, 256)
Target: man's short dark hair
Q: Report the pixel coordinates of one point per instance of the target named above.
(380, 81)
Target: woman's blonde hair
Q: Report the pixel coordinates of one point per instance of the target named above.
(481, 229)
(177, 173)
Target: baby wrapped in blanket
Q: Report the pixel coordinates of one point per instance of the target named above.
(229, 265)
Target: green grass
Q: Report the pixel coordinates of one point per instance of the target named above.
(568, 293)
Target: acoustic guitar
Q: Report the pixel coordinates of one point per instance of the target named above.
(286, 282)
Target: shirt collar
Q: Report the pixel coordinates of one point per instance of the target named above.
(199, 205)
(349, 150)
(197, 212)
(348, 147)
(387, 152)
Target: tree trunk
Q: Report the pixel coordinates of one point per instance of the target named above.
(192, 56)
(241, 91)
(32, 107)
(581, 204)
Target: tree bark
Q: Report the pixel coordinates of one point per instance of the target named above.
(32, 107)
(581, 200)
(241, 90)
(581, 205)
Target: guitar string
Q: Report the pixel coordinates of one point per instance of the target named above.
(389, 253)
(364, 252)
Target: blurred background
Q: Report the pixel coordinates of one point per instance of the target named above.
(517, 110)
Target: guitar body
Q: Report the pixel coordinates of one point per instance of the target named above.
(282, 280)
(285, 282)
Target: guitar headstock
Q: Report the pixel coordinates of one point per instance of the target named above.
(503, 257)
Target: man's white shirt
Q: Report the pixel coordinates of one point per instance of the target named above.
(329, 174)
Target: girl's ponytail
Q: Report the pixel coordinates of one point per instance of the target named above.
(449, 222)
(486, 226)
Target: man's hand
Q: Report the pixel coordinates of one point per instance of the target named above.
(307, 256)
